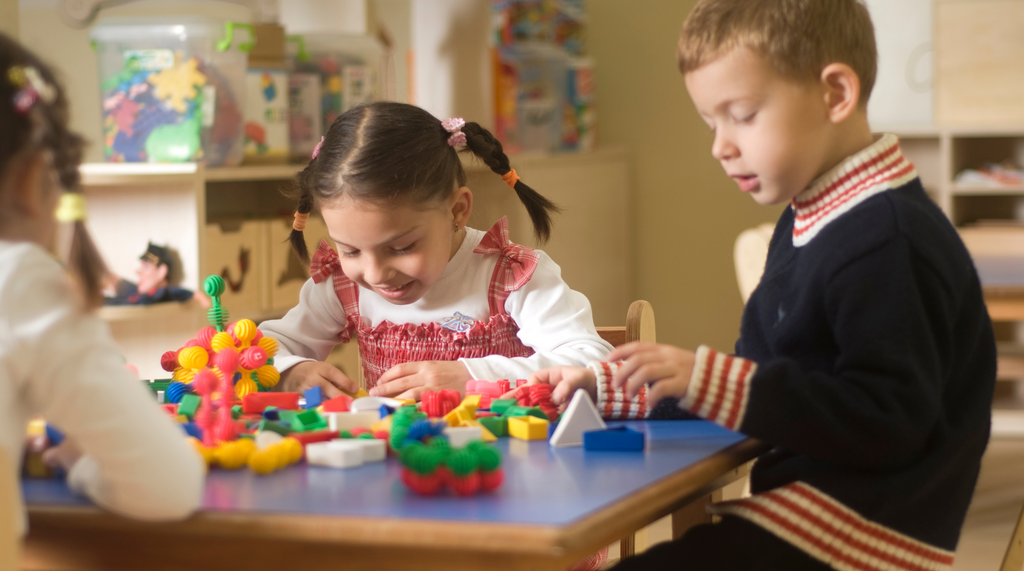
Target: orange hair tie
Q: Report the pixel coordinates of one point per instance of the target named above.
(510, 178)
(299, 224)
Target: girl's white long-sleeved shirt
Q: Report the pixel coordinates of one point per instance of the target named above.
(63, 364)
(554, 320)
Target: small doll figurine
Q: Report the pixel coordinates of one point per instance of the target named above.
(155, 267)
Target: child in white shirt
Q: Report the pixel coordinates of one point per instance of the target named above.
(56, 359)
(432, 302)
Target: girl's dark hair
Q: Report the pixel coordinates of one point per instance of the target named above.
(45, 127)
(387, 151)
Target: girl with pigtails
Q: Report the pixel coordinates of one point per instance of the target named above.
(432, 302)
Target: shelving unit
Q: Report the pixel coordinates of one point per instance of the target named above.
(211, 216)
(990, 217)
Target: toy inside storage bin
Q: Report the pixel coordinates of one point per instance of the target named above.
(349, 67)
(172, 89)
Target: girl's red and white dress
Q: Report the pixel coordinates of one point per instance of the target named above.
(500, 308)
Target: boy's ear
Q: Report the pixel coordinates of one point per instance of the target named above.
(842, 91)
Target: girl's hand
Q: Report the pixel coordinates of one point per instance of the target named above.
(309, 374)
(566, 380)
(665, 368)
(409, 380)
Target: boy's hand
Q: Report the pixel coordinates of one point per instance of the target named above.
(309, 374)
(665, 368)
(409, 380)
(63, 455)
(566, 380)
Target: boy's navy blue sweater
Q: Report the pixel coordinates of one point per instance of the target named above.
(866, 358)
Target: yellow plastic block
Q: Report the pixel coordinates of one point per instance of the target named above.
(472, 402)
(528, 428)
(383, 424)
(407, 402)
(36, 427)
(459, 414)
(485, 434)
(181, 418)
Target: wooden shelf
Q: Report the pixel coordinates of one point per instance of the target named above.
(983, 190)
(251, 173)
(143, 312)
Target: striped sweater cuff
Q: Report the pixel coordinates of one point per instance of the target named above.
(612, 403)
(719, 387)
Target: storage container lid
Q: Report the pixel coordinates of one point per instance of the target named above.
(157, 28)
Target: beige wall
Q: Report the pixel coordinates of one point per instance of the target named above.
(687, 212)
(9, 17)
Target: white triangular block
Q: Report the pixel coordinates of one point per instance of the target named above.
(336, 454)
(460, 436)
(580, 416)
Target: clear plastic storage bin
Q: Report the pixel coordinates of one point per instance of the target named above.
(171, 89)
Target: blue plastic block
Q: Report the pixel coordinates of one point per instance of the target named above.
(314, 397)
(53, 436)
(551, 429)
(272, 413)
(192, 429)
(386, 411)
(618, 438)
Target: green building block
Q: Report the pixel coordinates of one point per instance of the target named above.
(311, 420)
(236, 411)
(524, 411)
(498, 406)
(189, 405)
(497, 425)
(274, 427)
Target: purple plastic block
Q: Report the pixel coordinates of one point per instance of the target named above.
(618, 438)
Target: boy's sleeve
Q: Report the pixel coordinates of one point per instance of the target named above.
(612, 403)
(311, 329)
(555, 321)
(136, 461)
(877, 409)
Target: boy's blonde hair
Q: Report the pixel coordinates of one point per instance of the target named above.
(798, 38)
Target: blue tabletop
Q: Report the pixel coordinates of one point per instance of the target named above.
(543, 485)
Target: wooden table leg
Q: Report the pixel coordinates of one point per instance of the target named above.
(691, 515)
(627, 546)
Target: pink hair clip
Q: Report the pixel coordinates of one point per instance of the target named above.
(32, 88)
(454, 126)
(316, 149)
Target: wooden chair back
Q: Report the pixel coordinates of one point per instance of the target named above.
(749, 254)
(639, 326)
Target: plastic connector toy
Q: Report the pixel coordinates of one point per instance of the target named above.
(276, 456)
(427, 467)
(617, 438)
(539, 396)
(528, 428)
(440, 403)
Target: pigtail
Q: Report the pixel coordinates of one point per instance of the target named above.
(85, 263)
(305, 206)
(488, 149)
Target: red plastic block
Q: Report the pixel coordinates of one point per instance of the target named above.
(437, 404)
(171, 409)
(487, 390)
(340, 403)
(258, 402)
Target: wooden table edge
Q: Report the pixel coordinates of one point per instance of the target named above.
(591, 532)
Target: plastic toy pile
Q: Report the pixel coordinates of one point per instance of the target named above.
(220, 392)
(154, 111)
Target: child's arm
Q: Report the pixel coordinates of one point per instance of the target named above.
(880, 406)
(307, 334)
(555, 321)
(136, 461)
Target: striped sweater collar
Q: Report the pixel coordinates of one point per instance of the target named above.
(876, 169)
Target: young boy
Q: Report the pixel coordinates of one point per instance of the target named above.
(866, 356)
